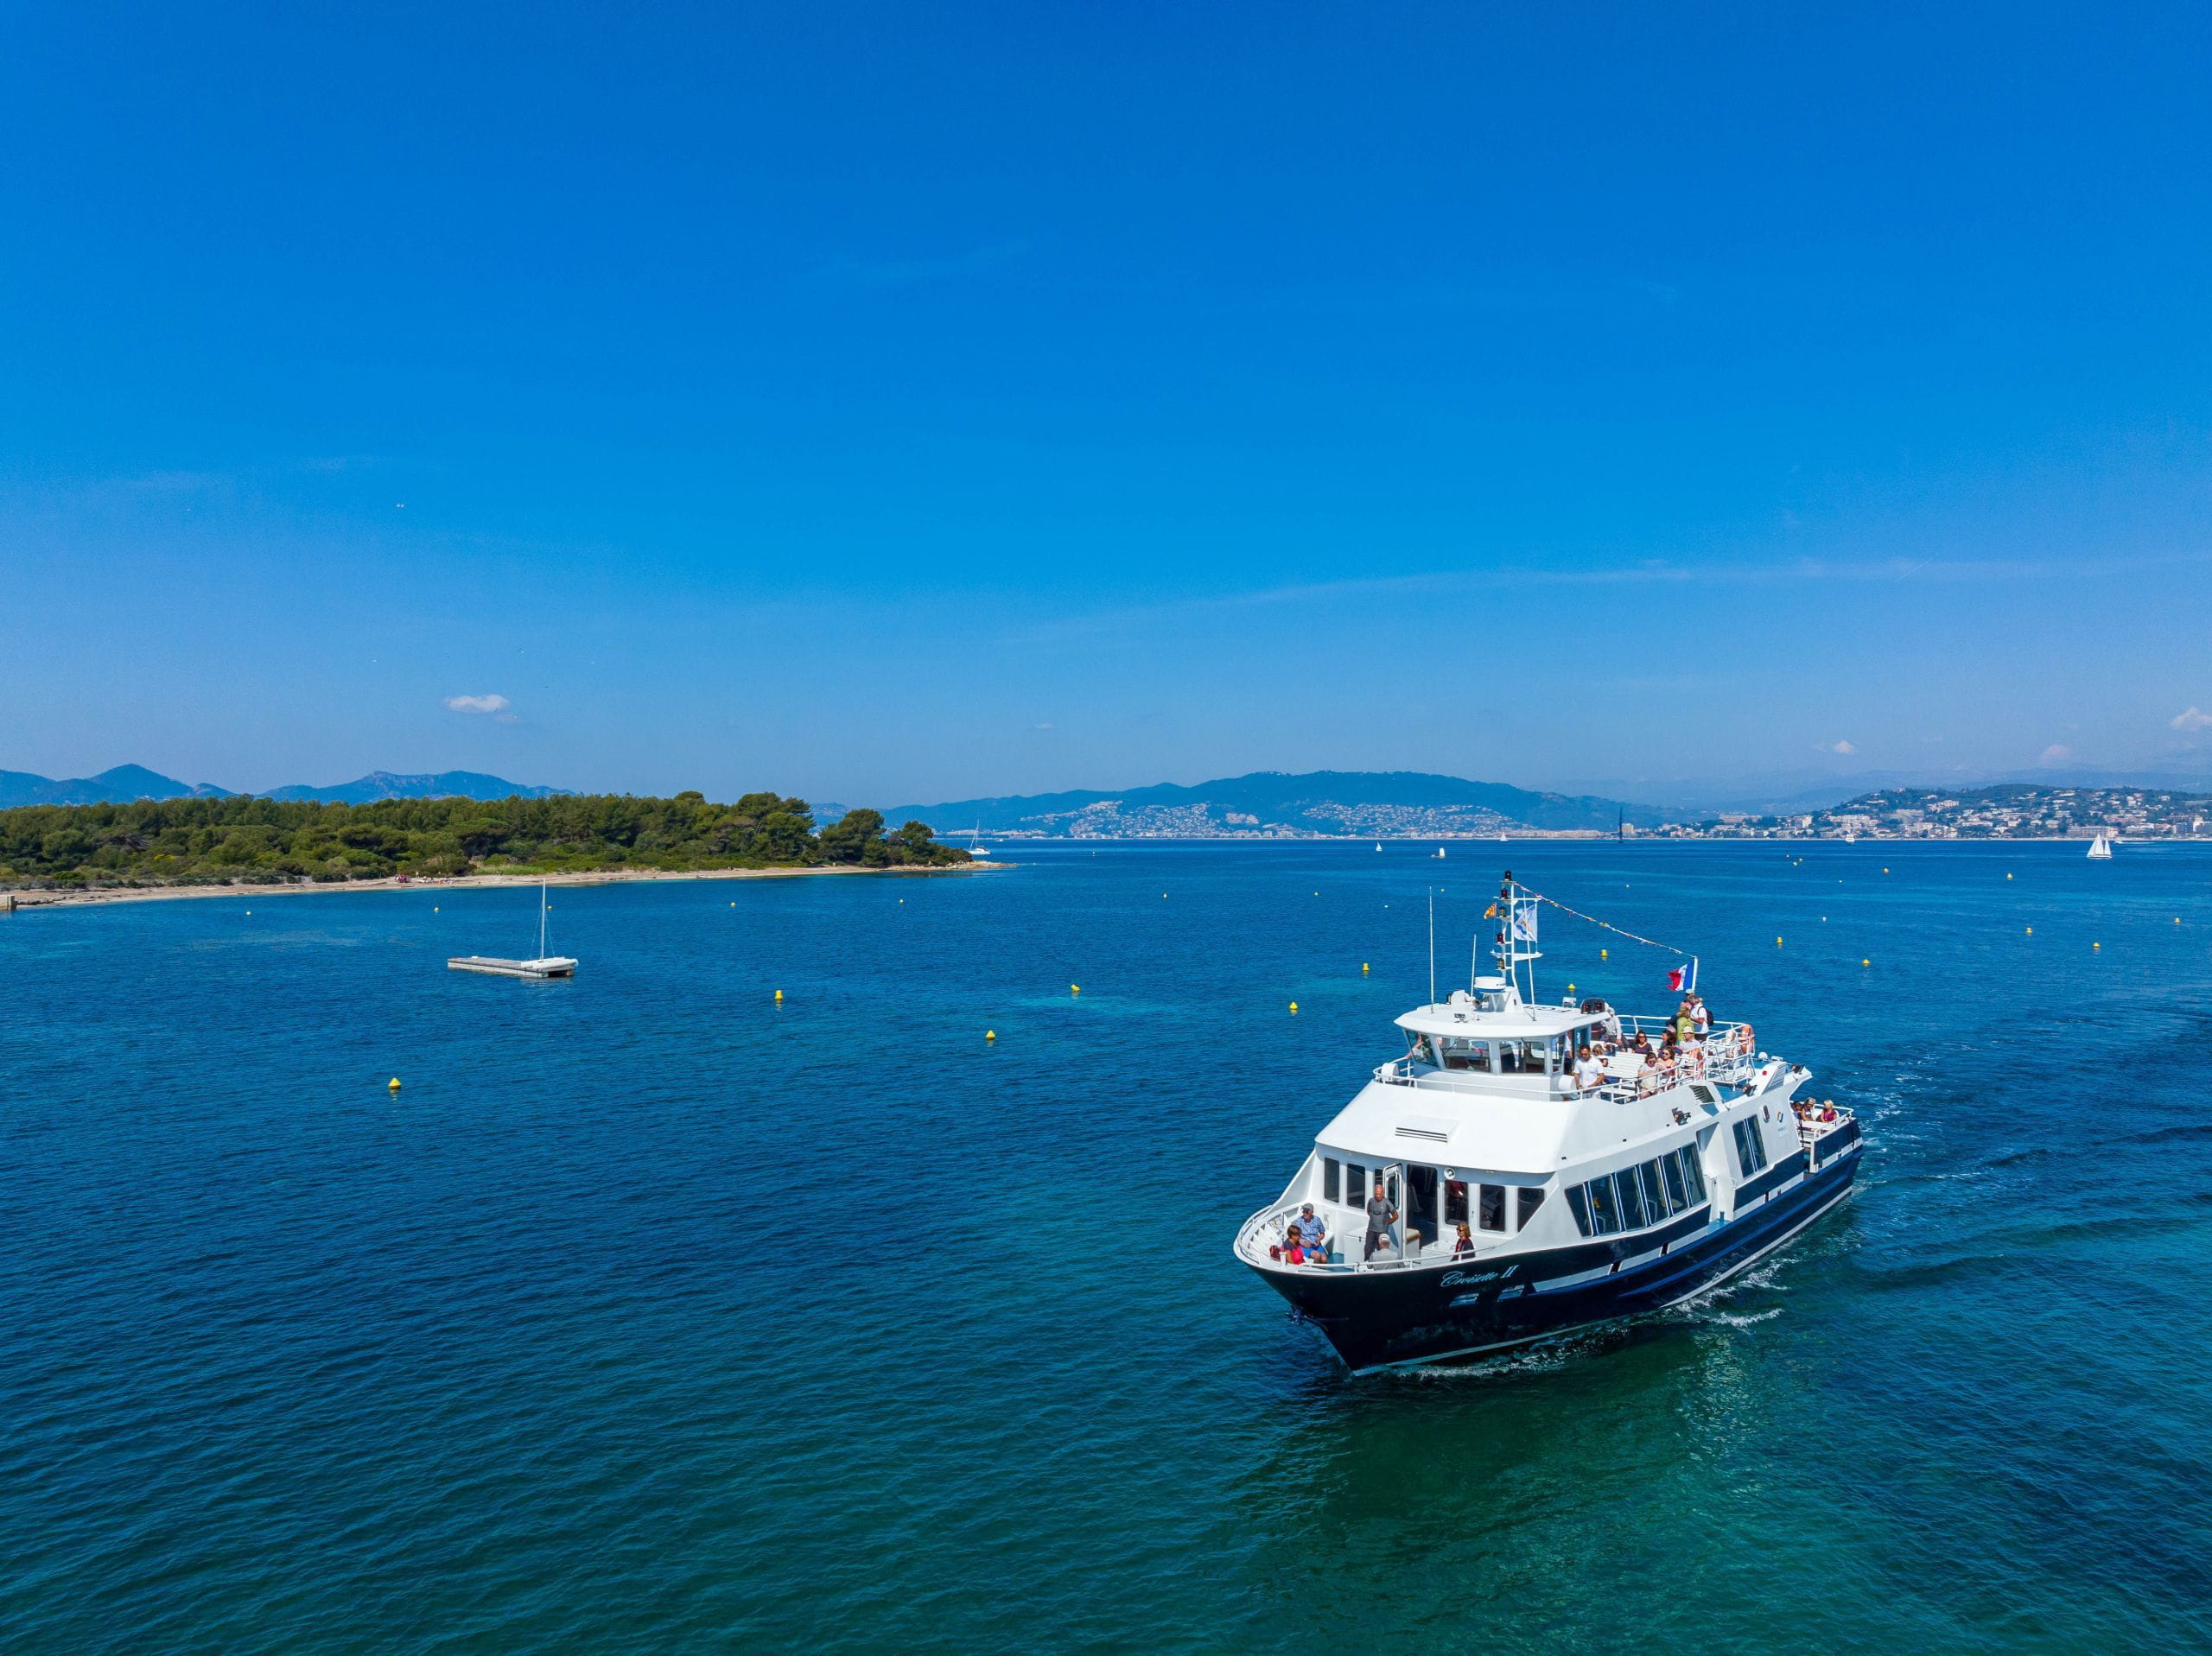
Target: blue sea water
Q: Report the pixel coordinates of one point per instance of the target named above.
(650, 1314)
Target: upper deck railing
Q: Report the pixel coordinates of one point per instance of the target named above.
(1727, 1054)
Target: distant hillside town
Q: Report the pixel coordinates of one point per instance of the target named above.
(2010, 811)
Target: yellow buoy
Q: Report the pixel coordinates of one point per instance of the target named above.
(1604, 953)
(2031, 931)
(1294, 1006)
(392, 1085)
(990, 1035)
(779, 994)
(2097, 945)
(1865, 962)
(1075, 988)
(1777, 942)
(2008, 877)
(1363, 965)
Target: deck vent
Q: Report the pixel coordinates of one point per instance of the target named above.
(1426, 1127)
(1706, 1094)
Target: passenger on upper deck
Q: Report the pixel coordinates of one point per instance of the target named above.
(1640, 1045)
(1588, 1072)
(1700, 1020)
(1309, 1229)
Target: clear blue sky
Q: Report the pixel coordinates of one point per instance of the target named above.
(901, 403)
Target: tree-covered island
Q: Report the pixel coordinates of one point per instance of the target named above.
(251, 841)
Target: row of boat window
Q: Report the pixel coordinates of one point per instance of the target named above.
(1484, 1207)
(1647, 1194)
(1514, 1057)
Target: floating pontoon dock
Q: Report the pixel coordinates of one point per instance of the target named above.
(555, 966)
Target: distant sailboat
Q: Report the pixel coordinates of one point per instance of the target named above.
(2101, 847)
(545, 966)
(1378, 845)
(1440, 850)
(974, 846)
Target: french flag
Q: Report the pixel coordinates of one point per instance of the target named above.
(1683, 979)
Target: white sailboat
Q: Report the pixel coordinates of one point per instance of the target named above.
(545, 966)
(976, 850)
(2101, 847)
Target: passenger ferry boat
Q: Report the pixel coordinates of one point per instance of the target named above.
(1584, 1205)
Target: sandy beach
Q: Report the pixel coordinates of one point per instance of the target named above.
(597, 877)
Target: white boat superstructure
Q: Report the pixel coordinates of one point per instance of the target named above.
(1544, 1168)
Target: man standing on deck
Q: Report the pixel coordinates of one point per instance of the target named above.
(1380, 1216)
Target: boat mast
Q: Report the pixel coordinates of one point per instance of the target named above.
(1512, 901)
(540, 919)
(1432, 945)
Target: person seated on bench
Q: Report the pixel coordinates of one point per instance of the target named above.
(1309, 1231)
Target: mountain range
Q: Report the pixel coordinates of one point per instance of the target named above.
(1362, 803)
(128, 781)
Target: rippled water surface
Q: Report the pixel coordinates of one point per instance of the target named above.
(650, 1314)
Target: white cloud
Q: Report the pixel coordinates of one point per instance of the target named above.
(478, 703)
(2191, 719)
(1047, 726)
(2057, 754)
(1834, 748)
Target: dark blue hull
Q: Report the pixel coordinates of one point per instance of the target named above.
(1426, 1313)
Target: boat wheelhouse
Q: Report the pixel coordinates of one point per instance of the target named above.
(1589, 1189)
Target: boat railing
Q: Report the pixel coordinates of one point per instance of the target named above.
(1729, 1054)
(1268, 1230)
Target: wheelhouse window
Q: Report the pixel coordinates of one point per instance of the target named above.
(1331, 1178)
(1577, 1203)
(1491, 1215)
(1531, 1199)
(1654, 1192)
(1522, 1058)
(1461, 1053)
(1355, 1184)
